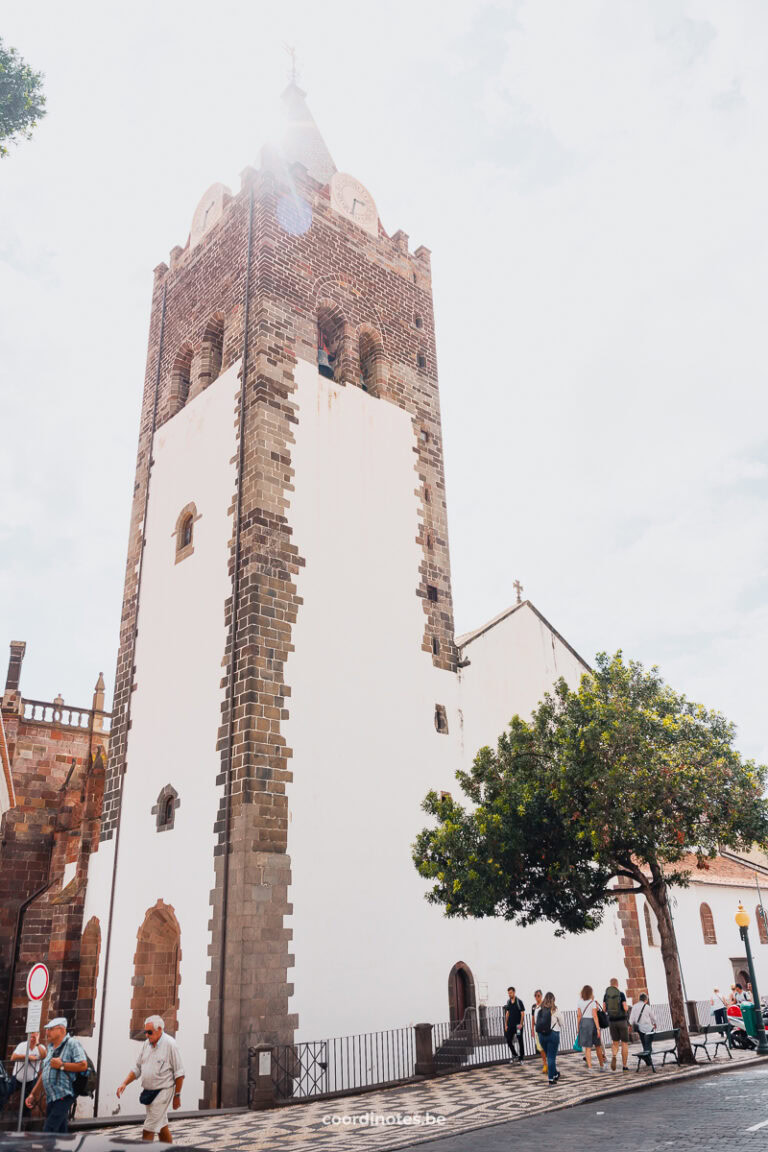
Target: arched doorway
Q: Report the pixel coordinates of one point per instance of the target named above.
(461, 993)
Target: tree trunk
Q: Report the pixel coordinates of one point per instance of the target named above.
(656, 893)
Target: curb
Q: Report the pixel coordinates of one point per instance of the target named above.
(651, 1082)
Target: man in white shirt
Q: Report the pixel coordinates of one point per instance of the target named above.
(161, 1073)
(643, 1018)
(36, 1054)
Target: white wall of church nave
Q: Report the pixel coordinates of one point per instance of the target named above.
(370, 953)
(706, 966)
(510, 668)
(175, 717)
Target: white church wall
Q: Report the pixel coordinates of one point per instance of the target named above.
(511, 666)
(370, 952)
(175, 717)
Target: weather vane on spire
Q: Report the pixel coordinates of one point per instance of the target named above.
(292, 53)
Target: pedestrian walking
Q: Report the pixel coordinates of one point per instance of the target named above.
(589, 1027)
(63, 1060)
(18, 1082)
(719, 1007)
(548, 1025)
(161, 1073)
(643, 1019)
(514, 1015)
(537, 1000)
(615, 1004)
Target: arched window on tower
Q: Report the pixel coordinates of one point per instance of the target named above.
(184, 532)
(165, 808)
(180, 378)
(156, 970)
(371, 357)
(211, 351)
(707, 924)
(330, 328)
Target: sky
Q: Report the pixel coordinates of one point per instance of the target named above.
(592, 180)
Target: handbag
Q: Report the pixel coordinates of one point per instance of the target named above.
(602, 1018)
(576, 1046)
(148, 1095)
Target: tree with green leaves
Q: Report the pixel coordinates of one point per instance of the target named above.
(22, 103)
(620, 782)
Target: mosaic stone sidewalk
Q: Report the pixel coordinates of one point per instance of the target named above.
(458, 1103)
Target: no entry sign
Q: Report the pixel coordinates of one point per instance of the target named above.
(37, 982)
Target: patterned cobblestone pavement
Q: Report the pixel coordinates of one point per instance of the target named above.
(444, 1107)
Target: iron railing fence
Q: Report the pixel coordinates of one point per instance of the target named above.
(344, 1064)
(312, 1069)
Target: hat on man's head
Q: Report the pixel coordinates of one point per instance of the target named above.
(57, 1022)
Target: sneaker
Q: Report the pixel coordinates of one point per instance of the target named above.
(557, 1076)
(613, 1063)
(625, 1068)
(553, 1082)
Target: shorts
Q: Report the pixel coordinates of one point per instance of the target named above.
(589, 1037)
(619, 1030)
(157, 1111)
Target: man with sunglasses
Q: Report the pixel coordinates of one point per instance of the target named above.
(162, 1075)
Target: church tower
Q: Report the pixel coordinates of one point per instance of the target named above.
(286, 646)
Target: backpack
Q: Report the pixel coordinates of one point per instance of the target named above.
(544, 1021)
(84, 1083)
(613, 1003)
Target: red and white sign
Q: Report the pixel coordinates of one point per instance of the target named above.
(37, 982)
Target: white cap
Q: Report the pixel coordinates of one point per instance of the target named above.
(57, 1022)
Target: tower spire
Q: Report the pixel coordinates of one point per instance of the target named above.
(302, 141)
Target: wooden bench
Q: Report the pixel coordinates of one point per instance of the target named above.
(656, 1038)
(722, 1032)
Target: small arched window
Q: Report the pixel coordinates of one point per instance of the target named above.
(184, 532)
(707, 924)
(762, 927)
(165, 809)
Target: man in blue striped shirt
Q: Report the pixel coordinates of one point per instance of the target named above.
(64, 1059)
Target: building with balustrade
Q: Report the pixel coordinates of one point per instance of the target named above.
(53, 760)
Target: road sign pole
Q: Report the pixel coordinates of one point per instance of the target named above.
(23, 1092)
(37, 986)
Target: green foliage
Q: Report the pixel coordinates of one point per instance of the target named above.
(22, 103)
(623, 777)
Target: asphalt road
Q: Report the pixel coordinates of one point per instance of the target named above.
(713, 1112)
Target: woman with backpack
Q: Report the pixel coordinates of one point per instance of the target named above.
(548, 1025)
(589, 1027)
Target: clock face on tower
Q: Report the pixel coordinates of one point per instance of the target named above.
(351, 199)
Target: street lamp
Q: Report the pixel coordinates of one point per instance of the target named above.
(742, 919)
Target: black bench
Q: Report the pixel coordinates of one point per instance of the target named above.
(654, 1039)
(722, 1032)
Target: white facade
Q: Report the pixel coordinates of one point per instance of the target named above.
(370, 952)
(175, 718)
(708, 966)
